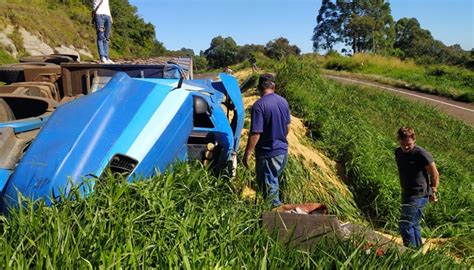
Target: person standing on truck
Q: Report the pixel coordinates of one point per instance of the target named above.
(414, 165)
(253, 63)
(270, 123)
(228, 70)
(102, 19)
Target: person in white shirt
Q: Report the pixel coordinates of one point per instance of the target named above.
(103, 25)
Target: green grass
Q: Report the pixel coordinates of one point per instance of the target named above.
(357, 127)
(185, 219)
(6, 58)
(450, 81)
(53, 25)
(59, 22)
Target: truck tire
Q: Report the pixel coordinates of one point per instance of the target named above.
(6, 113)
(11, 73)
(75, 58)
(54, 59)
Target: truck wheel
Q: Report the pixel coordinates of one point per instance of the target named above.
(6, 113)
(11, 73)
(54, 59)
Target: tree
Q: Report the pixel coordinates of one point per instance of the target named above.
(281, 48)
(419, 44)
(130, 34)
(368, 25)
(416, 42)
(246, 51)
(360, 29)
(364, 25)
(222, 52)
(327, 31)
(182, 52)
(158, 49)
(200, 63)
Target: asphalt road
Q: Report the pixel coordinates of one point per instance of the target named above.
(460, 110)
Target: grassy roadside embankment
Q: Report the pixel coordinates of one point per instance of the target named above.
(191, 219)
(357, 127)
(449, 81)
(185, 219)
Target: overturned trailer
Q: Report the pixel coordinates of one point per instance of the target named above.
(127, 119)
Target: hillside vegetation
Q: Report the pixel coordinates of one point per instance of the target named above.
(59, 22)
(357, 127)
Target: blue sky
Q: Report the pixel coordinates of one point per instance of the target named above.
(193, 23)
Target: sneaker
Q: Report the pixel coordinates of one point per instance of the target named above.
(110, 61)
(103, 60)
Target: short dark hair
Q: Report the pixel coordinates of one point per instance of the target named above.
(266, 81)
(405, 133)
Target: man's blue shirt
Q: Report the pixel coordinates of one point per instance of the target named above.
(270, 118)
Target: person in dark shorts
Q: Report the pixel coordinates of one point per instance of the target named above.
(419, 180)
(270, 123)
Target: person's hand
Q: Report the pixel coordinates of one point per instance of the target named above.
(433, 197)
(246, 160)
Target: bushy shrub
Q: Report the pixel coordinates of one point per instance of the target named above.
(342, 63)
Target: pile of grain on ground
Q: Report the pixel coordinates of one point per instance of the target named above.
(321, 168)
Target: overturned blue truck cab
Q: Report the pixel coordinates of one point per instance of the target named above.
(133, 126)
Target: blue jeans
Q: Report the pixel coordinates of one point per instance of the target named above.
(412, 211)
(103, 24)
(268, 170)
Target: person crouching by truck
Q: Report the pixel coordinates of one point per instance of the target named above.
(419, 180)
(270, 123)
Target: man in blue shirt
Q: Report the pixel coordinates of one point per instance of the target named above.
(268, 131)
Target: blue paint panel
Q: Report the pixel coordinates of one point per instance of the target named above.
(169, 146)
(221, 123)
(26, 124)
(137, 117)
(233, 91)
(136, 124)
(170, 82)
(73, 148)
(4, 175)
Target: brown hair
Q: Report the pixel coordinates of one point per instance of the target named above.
(265, 81)
(405, 133)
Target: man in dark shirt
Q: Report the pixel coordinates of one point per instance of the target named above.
(414, 165)
(268, 131)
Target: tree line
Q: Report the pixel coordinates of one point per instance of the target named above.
(368, 26)
(224, 51)
(359, 25)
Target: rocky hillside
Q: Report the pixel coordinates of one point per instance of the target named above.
(64, 26)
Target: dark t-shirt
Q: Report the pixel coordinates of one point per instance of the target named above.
(270, 117)
(413, 175)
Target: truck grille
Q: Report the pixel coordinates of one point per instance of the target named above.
(122, 164)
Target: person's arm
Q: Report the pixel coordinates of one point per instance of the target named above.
(434, 178)
(256, 127)
(251, 143)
